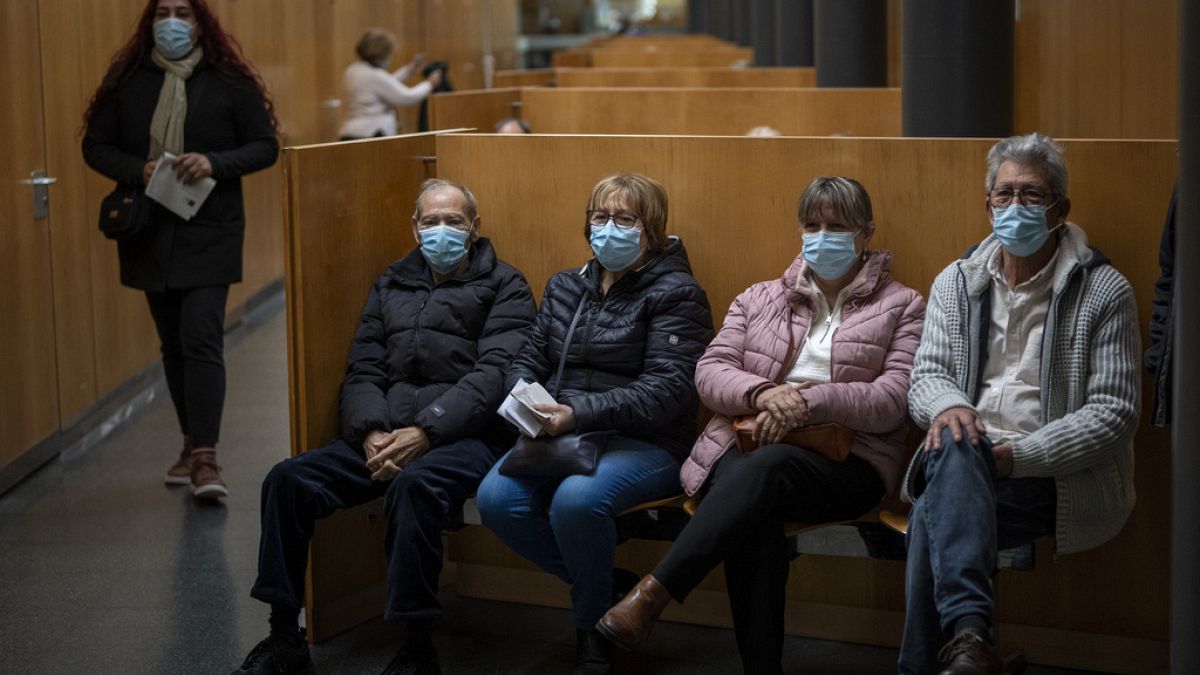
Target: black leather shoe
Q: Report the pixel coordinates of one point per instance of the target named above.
(593, 654)
(970, 654)
(278, 655)
(414, 662)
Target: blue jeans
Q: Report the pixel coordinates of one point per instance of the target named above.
(956, 526)
(568, 527)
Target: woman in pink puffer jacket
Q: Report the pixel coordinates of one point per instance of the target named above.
(853, 331)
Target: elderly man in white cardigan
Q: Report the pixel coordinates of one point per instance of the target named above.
(1027, 379)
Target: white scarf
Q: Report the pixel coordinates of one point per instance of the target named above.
(166, 128)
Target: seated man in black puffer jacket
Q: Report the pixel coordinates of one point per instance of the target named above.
(425, 377)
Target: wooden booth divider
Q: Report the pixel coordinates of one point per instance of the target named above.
(531, 77)
(684, 77)
(347, 209)
(732, 202)
(698, 111)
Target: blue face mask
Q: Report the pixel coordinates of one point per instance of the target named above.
(1021, 229)
(173, 37)
(444, 247)
(616, 247)
(829, 254)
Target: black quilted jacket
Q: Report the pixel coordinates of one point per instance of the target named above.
(434, 356)
(632, 360)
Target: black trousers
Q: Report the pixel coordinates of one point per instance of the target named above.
(418, 504)
(191, 331)
(740, 522)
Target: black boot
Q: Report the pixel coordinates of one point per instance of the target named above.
(279, 654)
(593, 653)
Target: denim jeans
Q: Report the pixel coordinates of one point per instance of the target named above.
(568, 527)
(956, 527)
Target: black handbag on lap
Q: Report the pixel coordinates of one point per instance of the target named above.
(557, 456)
(125, 212)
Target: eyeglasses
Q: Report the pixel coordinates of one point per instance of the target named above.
(623, 219)
(1026, 196)
(433, 221)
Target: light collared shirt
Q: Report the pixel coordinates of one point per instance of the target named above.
(815, 363)
(1010, 402)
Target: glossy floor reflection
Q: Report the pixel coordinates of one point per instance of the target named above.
(103, 569)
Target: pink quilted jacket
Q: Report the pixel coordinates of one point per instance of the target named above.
(872, 358)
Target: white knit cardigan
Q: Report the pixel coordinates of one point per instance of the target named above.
(1090, 381)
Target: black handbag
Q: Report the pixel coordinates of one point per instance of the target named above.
(557, 456)
(125, 212)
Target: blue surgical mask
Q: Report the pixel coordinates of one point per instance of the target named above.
(173, 37)
(829, 254)
(1021, 228)
(444, 247)
(616, 247)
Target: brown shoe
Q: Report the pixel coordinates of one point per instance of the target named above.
(180, 472)
(970, 654)
(206, 475)
(628, 624)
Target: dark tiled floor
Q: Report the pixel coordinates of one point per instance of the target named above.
(103, 569)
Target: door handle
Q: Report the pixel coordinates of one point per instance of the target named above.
(41, 192)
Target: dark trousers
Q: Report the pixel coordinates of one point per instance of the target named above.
(418, 503)
(740, 522)
(191, 331)
(956, 526)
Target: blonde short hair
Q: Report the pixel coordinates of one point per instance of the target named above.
(375, 46)
(646, 197)
(846, 197)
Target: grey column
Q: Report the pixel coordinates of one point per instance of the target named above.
(720, 19)
(697, 16)
(740, 20)
(794, 33)
(957, 68)
(1185, 473)
(850, 47)
(762, 34)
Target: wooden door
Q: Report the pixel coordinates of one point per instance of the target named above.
(28, 372)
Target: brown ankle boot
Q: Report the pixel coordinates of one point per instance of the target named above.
(206, 475)
(628, 623)
(180, 472)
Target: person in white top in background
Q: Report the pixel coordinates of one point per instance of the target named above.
(372, 92)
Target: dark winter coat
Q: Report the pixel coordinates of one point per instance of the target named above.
(632, 361)
(226, 120)
(1162, 322)
(433, 356)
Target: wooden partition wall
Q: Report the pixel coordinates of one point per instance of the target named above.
(732, 202)
(685, 77)
(348, 209)
(700, 111)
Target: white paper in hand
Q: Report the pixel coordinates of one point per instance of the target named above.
(518, 407)
(180, 198)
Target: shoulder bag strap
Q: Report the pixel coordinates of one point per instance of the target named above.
(562, 359)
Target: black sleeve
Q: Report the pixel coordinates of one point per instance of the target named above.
(677, 335)
(363, 400)
(465, 409)
(258, 146)
(100, 149)
(1160, 309)
(532, 363)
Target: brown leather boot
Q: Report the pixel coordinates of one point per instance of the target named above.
(180, 472)
(628, 623)
(970, 654)
(206, 475)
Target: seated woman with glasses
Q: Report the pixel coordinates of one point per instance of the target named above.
(832, 341)
(635, 321)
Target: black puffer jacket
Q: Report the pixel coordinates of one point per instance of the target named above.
(226, 120)
(632, 360)
(434, 356)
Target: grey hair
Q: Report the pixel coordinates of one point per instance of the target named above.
(437, 184)
(1035, 150)
(846, 197)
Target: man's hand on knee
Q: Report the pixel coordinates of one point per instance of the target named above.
(961, 422)
(1003, 454)
(407, 444)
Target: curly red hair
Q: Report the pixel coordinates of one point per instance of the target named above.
(221, 50)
